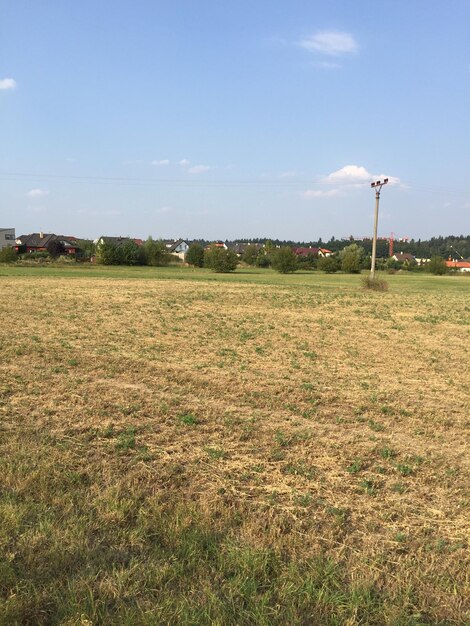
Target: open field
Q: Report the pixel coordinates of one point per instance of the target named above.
(178, 447)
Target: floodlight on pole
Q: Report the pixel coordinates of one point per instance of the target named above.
(377, 185)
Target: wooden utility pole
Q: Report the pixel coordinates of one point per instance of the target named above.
(378, 187)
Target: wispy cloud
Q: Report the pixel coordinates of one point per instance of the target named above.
(320, 193)
(7, 83)
(184, 163)
(199, 169)
(160, 162)
(331, 43)
(37, 193)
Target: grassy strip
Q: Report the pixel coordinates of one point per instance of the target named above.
(407, 281)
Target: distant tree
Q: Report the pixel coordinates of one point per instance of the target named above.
(55, 248)
(107, 254)
(8, 255)
(328, 264)
(195, 255)
(130, 253)
(87, 247)
(437, 266)
(263, 259)
(308, 262)
(156, 253)
(392, 264)
(220, 259)
(284, 260)
(250, 256)
(351, 258)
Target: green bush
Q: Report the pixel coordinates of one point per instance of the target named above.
(195, 255)
(284, 260)
(374, 284)
(8, 255)
(437, 266)
(156, 253)
(328, 264)
(220, 260)
(250, 256)
(351, 258)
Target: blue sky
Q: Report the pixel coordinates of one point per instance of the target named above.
(222, 119)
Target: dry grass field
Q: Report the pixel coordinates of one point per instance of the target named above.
(234, 451)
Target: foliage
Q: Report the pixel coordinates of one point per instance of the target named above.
(107, 254)
(220, 259)
(437, 266)
(284, 260)
(36, 255)
(87, 247)
(374, 284)
(130, 253)
(250, 256)
(308, 262)
(328, 264)
(195, 255)
(156, 253)
(351, 259)
(55, 248)
(263, 259)
(8, 255)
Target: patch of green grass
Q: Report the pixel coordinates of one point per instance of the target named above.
(356, 466)
(188, 419)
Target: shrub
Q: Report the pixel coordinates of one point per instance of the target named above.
(328, 264)
(284, 260)
(8, 255)
(156, 253)
(55, 248)
(263, 259)
(351, 258)
(375, 284)
(220, 260)
(195, 255)
(250, 256)
(107, 254)
(437, 266)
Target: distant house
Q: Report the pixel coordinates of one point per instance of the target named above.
(179, 247)
(404, 257)
(38, 242)
(316, 252)
(7, 238)
(459, 266)
(114, 241)
(217, 244)
(241, 248)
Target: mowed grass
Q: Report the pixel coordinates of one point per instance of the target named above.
(182, 448)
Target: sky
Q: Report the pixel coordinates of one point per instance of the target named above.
(221, 119)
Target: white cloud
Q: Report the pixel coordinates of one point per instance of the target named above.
(161, 162)
(199, 169)
(357, 175)
(184, 163)
(7, 83)
(37, 193)
(331, 43)
(320, 193)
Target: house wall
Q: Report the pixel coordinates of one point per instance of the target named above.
(7, 237)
